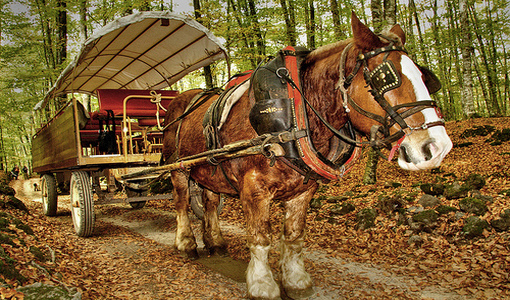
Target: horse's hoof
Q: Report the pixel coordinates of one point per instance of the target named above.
(218, 250)
(192, 254)
(299, 294)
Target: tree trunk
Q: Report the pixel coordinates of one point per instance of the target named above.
(377, 15)
(259, 40)
(290, 21)
(468, 106)
(207, 69)
(491, 100)
(390, 12)
(335, 15)
(310, 24)
(422, 44)
(61, 45)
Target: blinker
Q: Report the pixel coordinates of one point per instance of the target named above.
(385, 77)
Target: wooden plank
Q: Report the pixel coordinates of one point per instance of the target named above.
(55, 146)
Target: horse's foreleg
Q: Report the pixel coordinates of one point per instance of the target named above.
(259, 278)
(213, 239)
(295, 280)
(184, 238)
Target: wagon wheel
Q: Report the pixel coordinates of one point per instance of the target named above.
(49, 194)
(82, 205)
(197, 203)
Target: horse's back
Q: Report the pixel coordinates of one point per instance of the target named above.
(174, 110)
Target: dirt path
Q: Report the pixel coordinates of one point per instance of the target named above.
(133, 253)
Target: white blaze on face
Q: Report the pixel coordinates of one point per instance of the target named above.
(424, 149)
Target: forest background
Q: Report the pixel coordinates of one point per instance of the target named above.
(464, 42)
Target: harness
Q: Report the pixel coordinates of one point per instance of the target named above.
(381, 79)
(281, 108)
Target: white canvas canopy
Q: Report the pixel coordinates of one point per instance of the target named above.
(147, 50)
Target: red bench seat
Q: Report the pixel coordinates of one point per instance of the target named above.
(136, 107)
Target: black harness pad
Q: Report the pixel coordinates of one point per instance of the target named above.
(273, 110)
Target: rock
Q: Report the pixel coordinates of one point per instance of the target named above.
(8, 268)
(316, 202)
(366, 218)
(7, 190)
(343, 209)
(392, 184)
(433, 189)
(428, 201)
(478, 195)
(39, 254)
(473, 205)
(415, 209)
(474, 227)
(416, 240)
(41, 291)
(388, 204)
(454, 191)
(474, 182)
(502, 224)
(459, 215)
(426, 217)
(12, 202)
(445, 209)
(423, 221)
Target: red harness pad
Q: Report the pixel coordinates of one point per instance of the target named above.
(238, 79)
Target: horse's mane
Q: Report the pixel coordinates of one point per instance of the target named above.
(326, 50)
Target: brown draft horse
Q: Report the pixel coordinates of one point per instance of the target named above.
(257, 183)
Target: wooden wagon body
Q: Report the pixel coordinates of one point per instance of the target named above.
(127, 66)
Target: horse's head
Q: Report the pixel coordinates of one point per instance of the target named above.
(387, 96)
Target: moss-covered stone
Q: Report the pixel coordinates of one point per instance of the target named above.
(39, 254)
(474, 226)
(428, 201)
(426, 217)
(20, 225)
(445, 209)
(16, 204)
(389, 205)
(501, 224)
(316, 203)
(8, 268)
(474, 182)
(366, 218)
(41, 291)
(477, 131)
(7, 239)
(434, 189)
(343, 209)
(473, 205)
(455, 191)
(7, 190)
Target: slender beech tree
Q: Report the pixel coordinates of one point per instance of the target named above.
(468, 106)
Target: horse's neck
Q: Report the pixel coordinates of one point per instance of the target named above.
(319, 76)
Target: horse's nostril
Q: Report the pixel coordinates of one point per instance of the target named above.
(405, 155)
(427, 150)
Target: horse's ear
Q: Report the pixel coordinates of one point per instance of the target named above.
(363, 36)
(397, 30)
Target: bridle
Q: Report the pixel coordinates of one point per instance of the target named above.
(381, 79)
